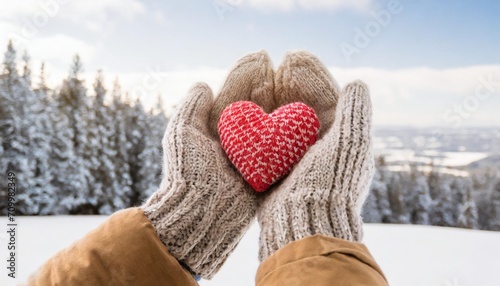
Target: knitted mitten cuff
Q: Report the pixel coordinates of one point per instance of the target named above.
(185, 220)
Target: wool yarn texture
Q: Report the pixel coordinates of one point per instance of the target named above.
(264, 147)
(203, 206)
(324, 192)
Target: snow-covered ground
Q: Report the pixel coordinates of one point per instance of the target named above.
(409, 255)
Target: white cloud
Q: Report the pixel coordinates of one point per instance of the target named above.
(288, 5)
(125, 8)
(61, 49)
(27, 8)
(90, 14)
(12, 9)
(160, 18)
(334, 4)
(94, 14)
(422, 96)
(390, 83)
(23, 21)
(7, 29)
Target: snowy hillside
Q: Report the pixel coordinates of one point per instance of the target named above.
(409, 255)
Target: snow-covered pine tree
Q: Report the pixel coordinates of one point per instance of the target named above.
(482, 184)
(370, 212)
(147, 172)
(26, 76)
(113, 196)
(383, 196)
(442, 208)
(14, 127)
(468, 214)
(417, 195)
(42, 80)
(38, 198)
(495, 206)
(76, 107)
(397, 200)
(152, 155)
(421, 203)
(10, 72)
(6, 126)
(97, 129)
(66, 177)
(377, 207)
(140, 152)
(122, 185)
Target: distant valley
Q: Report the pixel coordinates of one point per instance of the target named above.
(454, 151)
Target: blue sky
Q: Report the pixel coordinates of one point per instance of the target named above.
(425, 33)
(424, 56)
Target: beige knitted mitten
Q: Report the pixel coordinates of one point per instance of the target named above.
(203, 207)
(325, 191)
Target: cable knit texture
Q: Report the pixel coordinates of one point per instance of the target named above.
(325, 191)
(203, 207)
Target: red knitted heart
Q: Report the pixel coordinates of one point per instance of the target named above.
(264, 147)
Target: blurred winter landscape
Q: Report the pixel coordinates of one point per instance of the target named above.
(80, 149)
(87, 150)
(87, 89)
(436, 176)
(410, 255)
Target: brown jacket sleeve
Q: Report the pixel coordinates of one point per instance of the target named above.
(319, 260)
(124, 250)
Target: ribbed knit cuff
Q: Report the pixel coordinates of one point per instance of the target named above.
(302, 214)
(199, 228)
